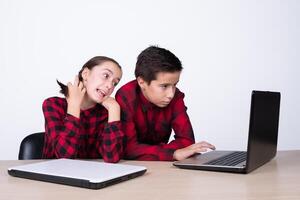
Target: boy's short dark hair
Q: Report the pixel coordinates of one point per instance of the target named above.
(154, 60)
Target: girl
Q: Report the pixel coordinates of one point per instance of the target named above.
(86, 123)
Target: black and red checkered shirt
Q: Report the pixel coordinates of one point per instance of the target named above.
(88, 137)
(147, 127)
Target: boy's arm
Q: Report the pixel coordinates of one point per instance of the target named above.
(164, 152)
(63, 132)
(180, 122)
(140, 151)
(184, 142)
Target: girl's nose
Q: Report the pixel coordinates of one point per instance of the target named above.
(109, 84)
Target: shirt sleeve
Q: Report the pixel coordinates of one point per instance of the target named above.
(111, 146)
(181, 124)
(134, 150)
(62, 130)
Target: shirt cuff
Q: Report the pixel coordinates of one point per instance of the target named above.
(71, 118)
(113, 127)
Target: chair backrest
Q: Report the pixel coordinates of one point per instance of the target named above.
(32, 146)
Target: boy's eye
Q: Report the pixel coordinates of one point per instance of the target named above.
(164, 86)
(115, 84)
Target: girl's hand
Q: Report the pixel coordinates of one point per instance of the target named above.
(113, 109)
(181, 154)
(75, 97)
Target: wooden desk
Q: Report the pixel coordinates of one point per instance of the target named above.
(278, 179)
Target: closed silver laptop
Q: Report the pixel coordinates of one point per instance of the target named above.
(81, 173)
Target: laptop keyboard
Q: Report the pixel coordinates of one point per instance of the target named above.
(230, 159)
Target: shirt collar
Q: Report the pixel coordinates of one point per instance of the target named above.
(92, 110)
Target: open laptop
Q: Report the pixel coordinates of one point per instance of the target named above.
(262, 140)
(81, 173)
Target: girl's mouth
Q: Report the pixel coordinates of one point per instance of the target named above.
(101, 93)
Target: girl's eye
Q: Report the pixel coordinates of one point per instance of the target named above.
(106, 76)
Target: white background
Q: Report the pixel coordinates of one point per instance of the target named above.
(228, 48)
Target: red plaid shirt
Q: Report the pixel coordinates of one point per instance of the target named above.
(148, 128)
(88, 137)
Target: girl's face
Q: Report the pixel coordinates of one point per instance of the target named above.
(101, 80)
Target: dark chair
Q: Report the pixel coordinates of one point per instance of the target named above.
(32, 146)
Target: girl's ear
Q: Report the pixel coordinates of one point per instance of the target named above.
(85, 74)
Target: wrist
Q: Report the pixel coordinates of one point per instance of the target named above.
(181, 154)
(74, 110)
(175, 154)
(114, 114)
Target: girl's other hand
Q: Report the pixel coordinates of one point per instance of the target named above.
(113, 109)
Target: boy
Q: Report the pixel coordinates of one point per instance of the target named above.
(152, 106)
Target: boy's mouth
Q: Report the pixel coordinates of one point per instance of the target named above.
(165, 103)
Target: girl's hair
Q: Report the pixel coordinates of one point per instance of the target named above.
(97, 60)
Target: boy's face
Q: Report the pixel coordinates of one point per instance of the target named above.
(160, 91)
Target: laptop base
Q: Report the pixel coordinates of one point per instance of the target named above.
(199, 161)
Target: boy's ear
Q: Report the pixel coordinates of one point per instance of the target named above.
(141, 82)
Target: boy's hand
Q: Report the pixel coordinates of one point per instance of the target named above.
(76, 94)
(181, 154)
(113, 109)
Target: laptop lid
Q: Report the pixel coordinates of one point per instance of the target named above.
(81, 173)
(263, 128)
(262, 138)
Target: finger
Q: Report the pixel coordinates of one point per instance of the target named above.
(80, 85)
(83, 90)
(105, 100)
(204, 145)
(208, 145)
(201, 150)
(69, 84)
(76, 81)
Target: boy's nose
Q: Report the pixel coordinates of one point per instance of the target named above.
(171, 93)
